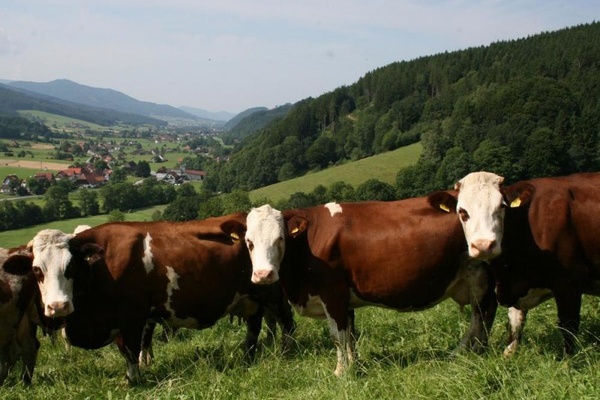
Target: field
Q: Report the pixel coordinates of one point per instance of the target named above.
(383, 166)
(401, 356)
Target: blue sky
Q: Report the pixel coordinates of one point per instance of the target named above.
(230, 55)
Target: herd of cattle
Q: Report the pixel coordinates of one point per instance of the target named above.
(481, 244)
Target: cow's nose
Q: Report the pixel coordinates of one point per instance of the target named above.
(59, 309)
(264, 276)
(482, 248)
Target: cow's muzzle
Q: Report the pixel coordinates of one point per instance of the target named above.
(264, 276)
(59, 309)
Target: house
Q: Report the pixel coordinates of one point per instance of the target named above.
(10, 184)
(195, 176)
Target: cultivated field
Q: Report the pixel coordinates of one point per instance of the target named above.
(402, 356)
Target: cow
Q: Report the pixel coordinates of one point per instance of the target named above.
(549, 230)
(107, 282)
(404, 255)
(18, 314)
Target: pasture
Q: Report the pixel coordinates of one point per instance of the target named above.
(402, 356)
(384, 166)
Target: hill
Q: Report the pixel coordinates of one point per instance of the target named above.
(251, 121)
(383, 167)
(13, 99)
(521, 108)
(221, 116)
(70, 91)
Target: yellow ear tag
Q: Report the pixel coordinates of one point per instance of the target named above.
(234, 236)
(445, 208)
(295, 230)
(515, 203)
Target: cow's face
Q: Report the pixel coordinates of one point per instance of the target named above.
(51, 258)
(265, 239)
(480, 207)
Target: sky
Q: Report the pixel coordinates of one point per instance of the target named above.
(231, 55)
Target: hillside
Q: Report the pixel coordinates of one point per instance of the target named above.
(105, 99)
(522, 108)
(383, 167)
(218, 117)
(14, 99)
(252, 121)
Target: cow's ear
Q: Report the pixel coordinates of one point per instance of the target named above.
(18, 264)
(442, 200)
(91, 252)
(234, 229)
(296, 226)
(518, 195)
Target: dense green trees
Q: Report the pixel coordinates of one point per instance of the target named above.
(523, 108)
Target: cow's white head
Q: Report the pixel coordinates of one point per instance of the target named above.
(265, 239)
(480, 207)
(51, 257)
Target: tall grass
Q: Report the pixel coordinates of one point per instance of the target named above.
(401, 356)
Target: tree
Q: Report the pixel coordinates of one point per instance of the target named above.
(374, 189)
(58, 206)
(88, 202)
(142, 169)
(182, 209)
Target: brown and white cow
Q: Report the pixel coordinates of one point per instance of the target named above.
(108, 281)
(550, 242)
(405, 255)
(18, 314)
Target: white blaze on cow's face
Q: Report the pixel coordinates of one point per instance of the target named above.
(265, 239)
(480, 207)
(51, 256)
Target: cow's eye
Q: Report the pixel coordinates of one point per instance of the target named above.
(250, 244)
(39, 275)
(463, 214)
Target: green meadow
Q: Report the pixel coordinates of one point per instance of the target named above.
(383, 166)
(401, 356)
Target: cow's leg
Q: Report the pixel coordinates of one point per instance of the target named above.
(5, 361)
(568, 305)
(129, 343)
(29, 346)
(271, 322)
(340, 327)
(147, 353)
(483, 312)
(516, 323)
(253, 326)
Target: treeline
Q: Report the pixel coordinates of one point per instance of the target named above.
(120, 196)
(16, 127)
(522, 108)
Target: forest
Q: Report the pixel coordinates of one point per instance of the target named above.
(523, 108)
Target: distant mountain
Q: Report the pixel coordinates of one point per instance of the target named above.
(103, 98)
(253, 120)
(235, 120)
(214, 116)
(13, 99)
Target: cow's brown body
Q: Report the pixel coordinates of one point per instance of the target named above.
(405, 255)
(18, 314)
(551, 246)
(187, 274)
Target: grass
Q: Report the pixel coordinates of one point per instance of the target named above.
(401, 356)
(383, 166)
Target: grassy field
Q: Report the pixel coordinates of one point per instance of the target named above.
(401, 356)
(383, 166)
